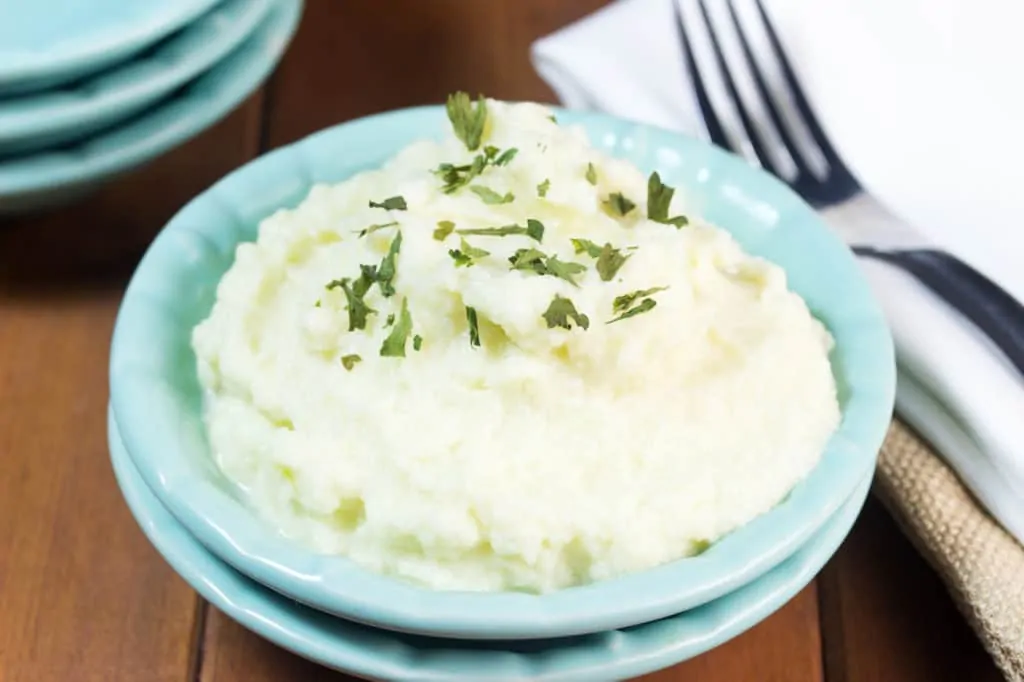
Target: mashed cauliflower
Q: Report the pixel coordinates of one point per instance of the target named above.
(418, 368)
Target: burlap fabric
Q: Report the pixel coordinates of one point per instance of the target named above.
(981, 564)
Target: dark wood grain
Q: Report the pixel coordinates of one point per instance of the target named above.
(887, 616)
(83, 597)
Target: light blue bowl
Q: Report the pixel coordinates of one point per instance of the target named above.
(55, 117)
(382, 655)
(156, 396)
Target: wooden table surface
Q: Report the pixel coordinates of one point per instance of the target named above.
(83, 596)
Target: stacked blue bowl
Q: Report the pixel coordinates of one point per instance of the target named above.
(91, 90)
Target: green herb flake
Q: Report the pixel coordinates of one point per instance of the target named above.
(417, 342)
(586, 246)
(645, 305)
(373, 228)
(391, 204)
(357, 308)
(618, 205)
(394, 344)
(564, 269)
(474, 328)
(533, 260)
(659, 199)
(528, 259)
(626, 300)
(542, 188)
(468, 121)
(534, 229)
(700, 546)
(456, 177)
(553, 119)
(466, 254)
(390, 320)
(591, 174)
(386, 272)
(444, 228)
(490, 197)
(349, 361)
(506, 157)
(561, 311)
(608, 262)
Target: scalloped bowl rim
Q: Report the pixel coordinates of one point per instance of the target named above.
(166, 439)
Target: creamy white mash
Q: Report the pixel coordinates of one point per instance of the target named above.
(545, 456)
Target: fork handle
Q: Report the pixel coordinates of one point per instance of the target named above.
(990, 307)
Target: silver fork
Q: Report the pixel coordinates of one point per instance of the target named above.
(817, 173)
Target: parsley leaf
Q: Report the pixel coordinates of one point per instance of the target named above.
(349, 361)
(466, 254)
(539, 262)
(617, 204)
(542, 188)
(468, 121)
(386, 273)
(626, 300)
(444, 228)
(564, 270)
(373, 228)
(645, 305)
(585, 245)
(659, 198)
(561, 311)
(390, 321)
(534, 229)
(506, 157)
(417, 342)
(394, 344)
(528, 259)
(474, 329)
(591, 174)
(456, 177)
(357, 308)
(391, 204)
(490, 197)
(609, 262)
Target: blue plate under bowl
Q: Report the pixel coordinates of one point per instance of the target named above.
(74, 112)
(157, 399)
(383, 655)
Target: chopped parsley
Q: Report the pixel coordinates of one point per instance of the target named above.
(444, 228)
(626, 301)
(357, 308)
(506, 156)
(490, 197)
(417, 342)
(386, 273)
(474, 328)
(390, 321)
(625, 304)
(468, 121)
(534, 229)
(543, 264)
(391, 204)
(373, 228)
(466, 254)
(561, 311)
(645, 305)
(591, 174)
(609, 259)
(659, 199)
(542, 188)
(349, 361)
(618, 205)
(394, 344)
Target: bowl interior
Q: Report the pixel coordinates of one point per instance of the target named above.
(157, 398)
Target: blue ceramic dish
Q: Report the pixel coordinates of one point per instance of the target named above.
(51, 178)
(384, 655)
(73, 113)
(156, 396)
(44, 43)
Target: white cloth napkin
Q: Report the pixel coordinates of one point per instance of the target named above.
(954, 386)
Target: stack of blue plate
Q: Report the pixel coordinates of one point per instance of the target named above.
(92, 89)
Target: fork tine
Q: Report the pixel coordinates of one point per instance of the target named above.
(714, 125)
(749, 128)
(842, 175)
